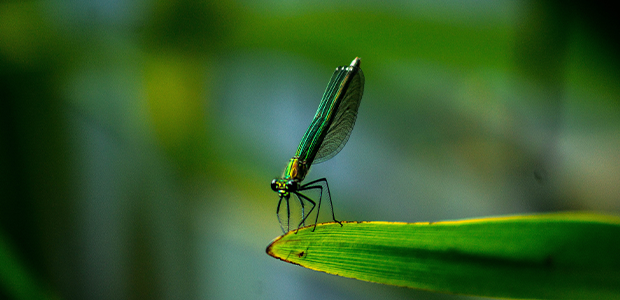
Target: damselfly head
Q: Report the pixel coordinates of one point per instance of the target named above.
(284, 186)
(276, 185)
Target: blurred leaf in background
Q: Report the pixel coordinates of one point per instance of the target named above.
(138, 138)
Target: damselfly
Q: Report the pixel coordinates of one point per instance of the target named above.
(328, 133)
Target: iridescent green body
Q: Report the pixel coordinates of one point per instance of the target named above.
(328, 133)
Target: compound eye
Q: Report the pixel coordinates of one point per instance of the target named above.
(274, 185)
(292, 185)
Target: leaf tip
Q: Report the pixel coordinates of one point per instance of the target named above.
(269, 249)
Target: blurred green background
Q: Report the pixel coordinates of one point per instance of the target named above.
(139, 138)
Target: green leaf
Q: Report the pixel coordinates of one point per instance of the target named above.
(16, 281)
(562, 255)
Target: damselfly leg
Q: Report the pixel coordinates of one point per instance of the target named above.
(319, 184)
(288, 211)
